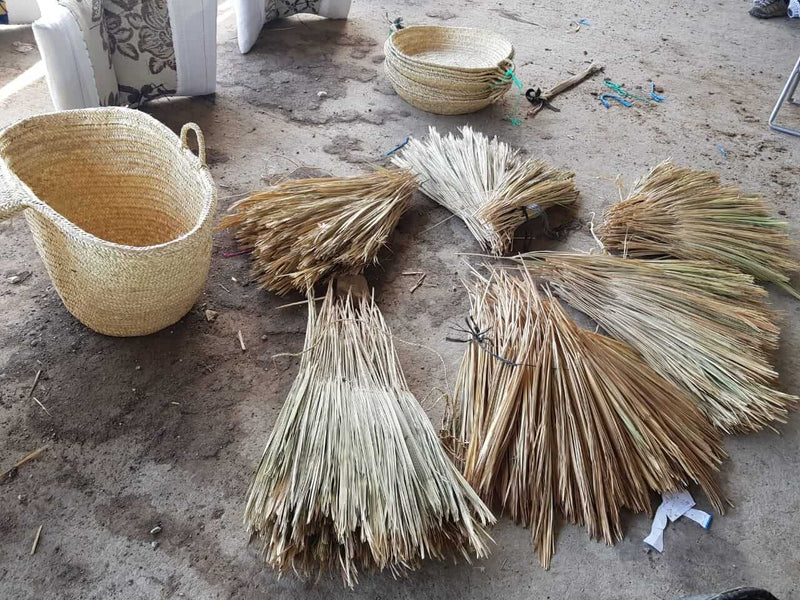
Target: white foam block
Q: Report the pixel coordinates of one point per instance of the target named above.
(69, 73)
(250, 17)
(194, 35)
(22, 11)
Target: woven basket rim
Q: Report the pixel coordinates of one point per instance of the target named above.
(451, 72)
(450, 75)
(441, 101)
(144, 120)
(433, 29)
(454, 93)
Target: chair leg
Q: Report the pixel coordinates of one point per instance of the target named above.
(787, 94)
(334, 9)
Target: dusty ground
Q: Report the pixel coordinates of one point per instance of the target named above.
(168, 429)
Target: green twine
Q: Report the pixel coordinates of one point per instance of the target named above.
(617, 87)
(395, 24)
(511, 77)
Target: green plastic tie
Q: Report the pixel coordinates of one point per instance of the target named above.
(617, 87)
(511, 77)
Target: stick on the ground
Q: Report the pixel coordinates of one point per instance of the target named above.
(35, 383)
(282, 306)
(419, 282)
(36, 540)
(44, 408)
(564, 86)
(241, 340)
(23, 460)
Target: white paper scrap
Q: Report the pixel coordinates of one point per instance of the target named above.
(677, 503)
(656, 537)
(700, 517)
(673, 507)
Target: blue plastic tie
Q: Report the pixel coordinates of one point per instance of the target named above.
(393, 150)
(604, 98)
(584, 22)
(653, 94)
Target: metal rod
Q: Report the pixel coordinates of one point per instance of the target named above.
(788, 92)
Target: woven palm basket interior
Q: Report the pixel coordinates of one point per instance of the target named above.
(120, 210)
(449, 70)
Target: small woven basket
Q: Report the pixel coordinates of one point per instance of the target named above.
(120, 210)
(449, 70)
(433, 99)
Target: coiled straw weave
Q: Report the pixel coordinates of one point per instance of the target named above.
(449, 70)
(120, 210)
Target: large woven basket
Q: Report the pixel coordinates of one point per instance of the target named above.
(449, 70)
(120, 210)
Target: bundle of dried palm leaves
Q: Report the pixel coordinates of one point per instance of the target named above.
(485, 183)
(353, 476)
(304, 231)
(704, 327)
(683, 213)
(550, 419)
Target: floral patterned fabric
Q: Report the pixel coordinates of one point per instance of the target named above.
(89, 16)
(130, 48)
(279, 9)
(139, 39)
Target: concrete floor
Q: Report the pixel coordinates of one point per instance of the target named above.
(124, 457)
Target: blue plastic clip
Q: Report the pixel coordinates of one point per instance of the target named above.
(393, 150)
(653, 94)
(604, 98)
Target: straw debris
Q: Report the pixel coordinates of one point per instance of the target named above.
(25, 459)
(303, 231)
(683, 213)
(353, 477)
(485, 183)
(701, 326)
(556, 421)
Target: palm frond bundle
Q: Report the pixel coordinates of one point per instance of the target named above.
(684, 213)
(552, 420)
(485, 183)
(697, 324)
(353, 476)
(304, 231)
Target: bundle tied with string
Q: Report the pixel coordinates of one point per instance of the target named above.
(685, 213)
(485, 183)
(550, 420)
(303, 231)
(704, 327)
(449, 70)
(353, 477)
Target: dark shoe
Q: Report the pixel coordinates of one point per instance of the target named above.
(776, 8)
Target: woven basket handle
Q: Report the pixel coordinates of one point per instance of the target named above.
(13, 198)
(201, 141)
